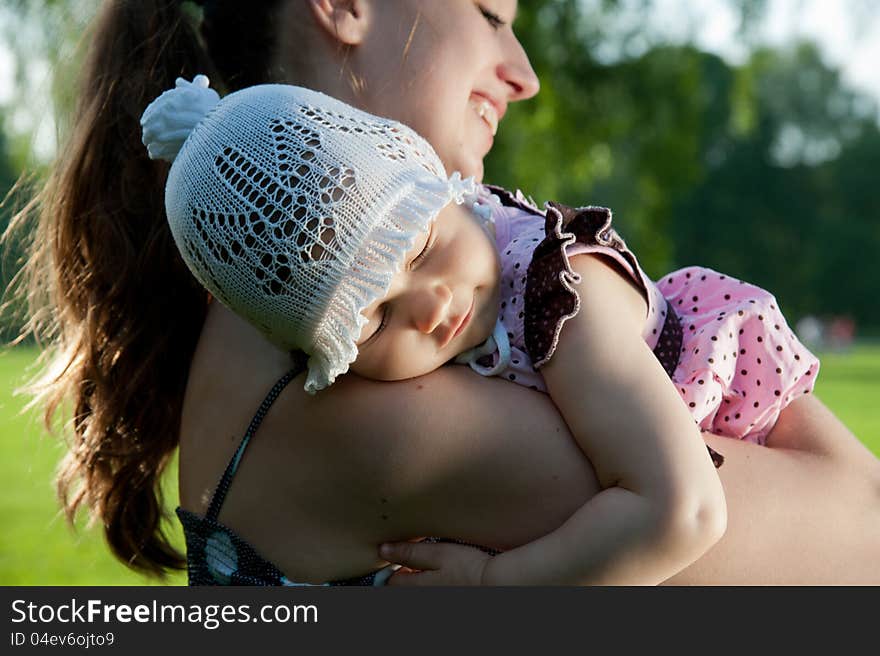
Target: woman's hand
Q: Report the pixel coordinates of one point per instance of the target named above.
(431, 563)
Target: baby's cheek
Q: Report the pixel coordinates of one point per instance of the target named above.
(407, 361)
(419, 363)
(374, 366)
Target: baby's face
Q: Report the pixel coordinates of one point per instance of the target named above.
(442, 302)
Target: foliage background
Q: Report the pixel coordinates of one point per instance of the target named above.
(765, 170)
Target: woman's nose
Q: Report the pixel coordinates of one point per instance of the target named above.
(430, 306)
(517, 72)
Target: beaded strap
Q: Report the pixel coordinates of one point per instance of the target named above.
(223, 486)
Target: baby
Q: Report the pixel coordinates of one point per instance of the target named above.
(339, 234)
(724, 343)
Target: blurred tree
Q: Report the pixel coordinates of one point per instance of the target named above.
(789, 197)
(848, 231)
(10, 255)
(622, 131)
(761, 170)
(44, 38)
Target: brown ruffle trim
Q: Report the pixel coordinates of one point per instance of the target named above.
(551, 299)
(518, 200)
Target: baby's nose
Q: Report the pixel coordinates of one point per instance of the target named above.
(432, 304)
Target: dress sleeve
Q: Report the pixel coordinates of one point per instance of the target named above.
(550, 298)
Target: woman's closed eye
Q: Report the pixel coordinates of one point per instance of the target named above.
(492, 18)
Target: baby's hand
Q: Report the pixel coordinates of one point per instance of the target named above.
(437, 564)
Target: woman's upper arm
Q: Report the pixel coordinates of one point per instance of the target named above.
(452, 454)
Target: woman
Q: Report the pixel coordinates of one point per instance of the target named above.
(328, 478)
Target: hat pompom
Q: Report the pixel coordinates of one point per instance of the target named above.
(171, 117)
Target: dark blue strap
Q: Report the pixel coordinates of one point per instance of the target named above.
(222, 488)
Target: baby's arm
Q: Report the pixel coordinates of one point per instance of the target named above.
(662, 505)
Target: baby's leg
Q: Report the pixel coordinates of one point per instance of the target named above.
(808, 425)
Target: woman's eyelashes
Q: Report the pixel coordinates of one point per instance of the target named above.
(492, 18)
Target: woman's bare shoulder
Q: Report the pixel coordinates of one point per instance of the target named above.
(231, 371)
(431, 423)
(363, 462)
(448, 454)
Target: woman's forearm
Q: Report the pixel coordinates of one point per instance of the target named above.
(793, 517)
(808, 425)
(803, 510)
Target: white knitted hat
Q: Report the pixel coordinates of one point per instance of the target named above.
(294, 209)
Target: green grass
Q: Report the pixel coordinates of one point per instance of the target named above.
(37, 547)
(849, 383)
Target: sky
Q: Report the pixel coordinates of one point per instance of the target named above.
(848, 39)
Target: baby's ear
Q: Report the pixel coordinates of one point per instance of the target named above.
(344, 20)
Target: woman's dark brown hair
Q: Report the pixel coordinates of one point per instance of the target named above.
(108, 294)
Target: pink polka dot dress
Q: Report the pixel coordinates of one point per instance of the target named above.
(723, 342)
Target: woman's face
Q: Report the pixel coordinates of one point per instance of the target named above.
(446, 68)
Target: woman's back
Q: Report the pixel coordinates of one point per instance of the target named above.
(326, 479)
